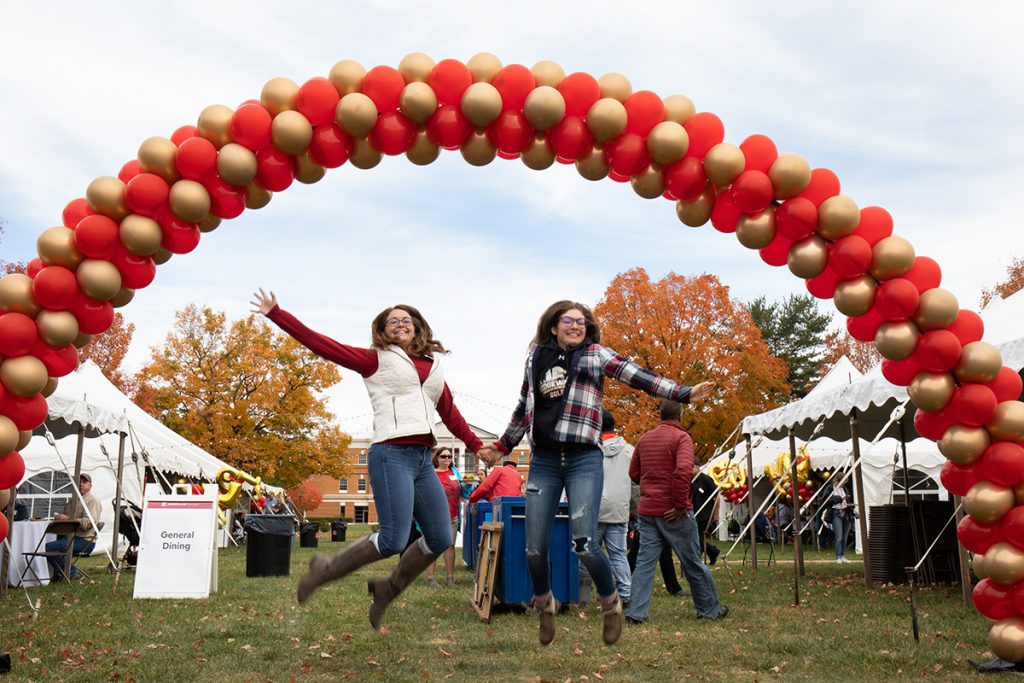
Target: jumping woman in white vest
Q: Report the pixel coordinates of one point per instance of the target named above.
(403, 376)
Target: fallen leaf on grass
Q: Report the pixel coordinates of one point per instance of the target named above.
(443, 652)
(324, 655)
(937, 668)
(247, 647)
(306, 667)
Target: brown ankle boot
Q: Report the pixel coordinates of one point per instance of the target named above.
(612, 621)
(413, 562)
(322, 570)
(547, 611)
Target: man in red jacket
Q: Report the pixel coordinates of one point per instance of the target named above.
(663, 465)
(502, 481)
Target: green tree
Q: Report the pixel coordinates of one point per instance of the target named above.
(794, 330)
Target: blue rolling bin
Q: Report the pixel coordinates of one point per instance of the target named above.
(514, 585)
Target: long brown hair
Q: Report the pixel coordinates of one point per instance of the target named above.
(423, 342)
(549, 319)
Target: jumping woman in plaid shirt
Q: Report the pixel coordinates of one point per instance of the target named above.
(559, 411)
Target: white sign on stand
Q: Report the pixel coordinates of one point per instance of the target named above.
(177, 557)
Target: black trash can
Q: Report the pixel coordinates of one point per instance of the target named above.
(307, 534)
(338, 530)
(269, 544)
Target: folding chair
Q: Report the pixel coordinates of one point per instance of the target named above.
(58, 528)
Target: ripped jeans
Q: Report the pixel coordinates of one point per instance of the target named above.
(580, 471)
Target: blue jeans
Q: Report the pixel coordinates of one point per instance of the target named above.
(81, 546)
(614, 537)
(685, 539)
(841, 531)
(405, 487)
(581, 473)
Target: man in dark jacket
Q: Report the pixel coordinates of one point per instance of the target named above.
(663, 466)
(702, 489)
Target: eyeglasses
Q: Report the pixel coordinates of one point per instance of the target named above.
(444, 457)
(568, 321)
(395, 322)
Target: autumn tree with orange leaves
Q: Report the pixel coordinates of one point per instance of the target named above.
(248, 395)
(306, 497)
(1013, 283)
(863, 355)
(108, 351)
(688, 329)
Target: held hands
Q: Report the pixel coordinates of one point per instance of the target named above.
(489, 455)
(262, 303)
(701, 391)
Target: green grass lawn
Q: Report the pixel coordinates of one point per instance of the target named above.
(252, 630)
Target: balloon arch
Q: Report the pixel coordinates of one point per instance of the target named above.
(111, 241)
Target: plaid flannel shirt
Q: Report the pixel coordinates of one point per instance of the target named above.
(580, 419)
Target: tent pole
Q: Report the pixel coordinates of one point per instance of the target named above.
(858, 480)
(9, 513)
(79, 448)
(798, 545)
(750, 502)
(117, 501)
(965, 573)
(906, 492)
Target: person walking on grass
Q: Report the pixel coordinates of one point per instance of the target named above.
(403, 377)
(559, 409)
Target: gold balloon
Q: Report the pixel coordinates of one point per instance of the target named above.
(82, 339)
(363, 155)
(56, 247)
(854, 297)
(723, 163)
(937, 309)
(5, 494)
(808, 257)
(963, 445)
(236, 164)
(931, 391)
(667, 142)
(418, 102)
(548, 73)
(356, 114)
(987, 502)
(215, 124)
(157, 155)
(189, 201)
(256, 197)
(106, 196)
(1008, 423)
(790, 175)
(291, 132)
(16, 295)
(57, 328)
(51, 386)
(615, 86)
(648, 183)
(140, 235)
(979, 362)
(1006, 639)
(1004, 561)
(8, 439)
(211, 222)
(606, 119)
(481, 103)
(161, 256)
(538, 155)
(347, 77)
(24, 436)
(837, 217)
(896, 341)
(279, 95)
(100, 280)
(544, 107)
(24, 376)
(679, 108)
(593, 166)
(477, 150)
(756, 232)
(123, 297)
(891, 257)
(696, 212)
(415, 67)
(308, 171)
(484, 66)
(423, 150)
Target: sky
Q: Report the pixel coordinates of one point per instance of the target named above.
(912, 104)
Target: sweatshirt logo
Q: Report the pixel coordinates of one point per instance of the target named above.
(552, 384)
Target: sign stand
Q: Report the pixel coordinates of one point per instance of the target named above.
(486, 569)
(177, 554)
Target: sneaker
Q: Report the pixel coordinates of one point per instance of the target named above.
(451, 580)
(633, 622)
(432, 582)
(723, 612)
(77, 576)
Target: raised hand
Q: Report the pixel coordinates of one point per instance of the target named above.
(262, 302)
(701, 391)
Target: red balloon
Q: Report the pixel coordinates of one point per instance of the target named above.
(274, 169)
(196, 159)
(1007, 386)
(994, 601)
(685, 179)
(644, 110)
(796, 218)
(514, 82)
(848, 256)
(512, 156)
(901, 372)
(580, 91)
(627, 154)
(511, 133)
(571, 139)
(317, 99)
(75, 211)
(250, 126)
(33, 267)
(863, 327)
(823, 286)
(18, 333)
(824, 184)
(25, 413)
(226, 200)
(937, 350)
(777, 253)
(925, 274)
(330, 146)
(55, 288)
(725, 214)
(968, 327)
(184, 133)
(58, 362)
(448, 126)
(875, 223)
(147, 193)
(137, 272)
(752, 192)
(12, 469)
(129, 170)
(97, 236)
(933, 425)
(974, 535)
(973, 404)
(896, 299)
(393, 133)
(383, 85)
(93, 317)
(5, 528)
(1003, 463)
(618, 177)
(705, 130)
(759, 152)
(449, 80)
(179, 237)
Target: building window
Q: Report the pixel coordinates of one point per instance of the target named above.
(362, 485)
(343, 486)
(362, 515)
(522, 461)
(362, 458)
(46, 494)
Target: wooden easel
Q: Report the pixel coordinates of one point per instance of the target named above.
(486, 568)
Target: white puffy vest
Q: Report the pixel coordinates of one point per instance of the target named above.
(401, 405)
